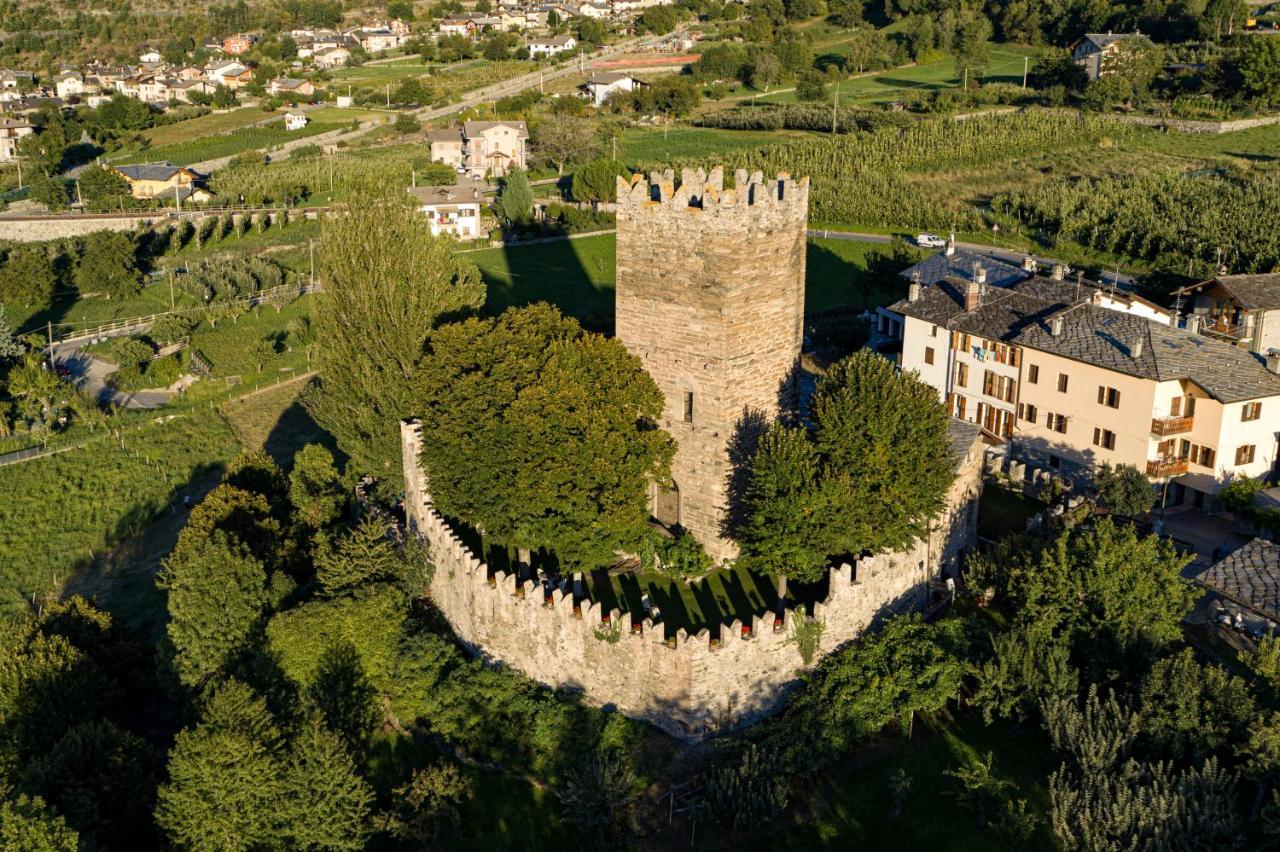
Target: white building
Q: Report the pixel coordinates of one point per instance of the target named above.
(600, 86)
(452, 210)
(294, 121)
(551, 46)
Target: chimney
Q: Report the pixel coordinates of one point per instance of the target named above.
(1059, 272)
(950, 250)
(1193, 323)
(1055, 326)
(1029, 264)
(972, 295)
(1135, 349)
(980, 275)
(913, 291)
(1273, 361)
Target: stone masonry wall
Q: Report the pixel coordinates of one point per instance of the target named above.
(690, 686)
(710, 297)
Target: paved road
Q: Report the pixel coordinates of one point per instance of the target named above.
(90, 375)
(1007, 255)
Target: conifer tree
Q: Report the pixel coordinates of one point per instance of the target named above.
(226, 777)
(328, 804)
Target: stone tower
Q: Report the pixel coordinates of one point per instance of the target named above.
(710, 297)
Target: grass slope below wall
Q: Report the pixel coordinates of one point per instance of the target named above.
(62, 510)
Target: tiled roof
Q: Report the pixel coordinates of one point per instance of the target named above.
(934, 268)
(455, 194)
(1126, 343)
(1250, 577)
(1103, 40)
(605, 78)
(448, 134)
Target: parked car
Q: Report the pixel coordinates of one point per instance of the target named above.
(930, 241)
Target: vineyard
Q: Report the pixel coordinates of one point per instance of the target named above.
(227, 144)
(803, 117)
(295, 179)
(864, 178)
(451, 84)
(1183, 217)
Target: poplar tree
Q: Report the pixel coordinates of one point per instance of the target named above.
(387, 282)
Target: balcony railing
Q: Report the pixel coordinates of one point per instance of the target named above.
(1222, 328)
(1172, 425)
(1167, 466)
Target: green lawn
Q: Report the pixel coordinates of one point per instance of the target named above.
(206, 125)
(274, 420)
(1002, 511)
(224, 144)
(391, 72)
(882, 86)
(851, 809)
(229, 346)
(578, 276)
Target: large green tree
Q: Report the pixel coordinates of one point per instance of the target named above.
(877, 472)
(1124, 489)
(387, 282)
(28, 276)
(108, 263)
(217, 596)
(1253, 68)
(597, 180)
(541, 435)
(315, 487)
(516, 200)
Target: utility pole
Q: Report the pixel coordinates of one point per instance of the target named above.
(1026, 64)
(614, 141)
(388, 96)
(311, 259)
(835, 107)
(79, 196)
(18, 160)
(169, 269)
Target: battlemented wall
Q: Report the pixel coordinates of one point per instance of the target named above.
(710, 297)
(689, 686)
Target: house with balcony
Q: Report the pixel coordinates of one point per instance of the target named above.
(292, 88)
(452, 210)
(602, 85)
(1069, 384)
(1241, 309)
(481, 148)
(238, 44)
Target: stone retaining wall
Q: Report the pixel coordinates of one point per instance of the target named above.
(689, 686)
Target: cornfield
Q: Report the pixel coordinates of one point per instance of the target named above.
(1189, 218)
(289, 181)
(865, 178)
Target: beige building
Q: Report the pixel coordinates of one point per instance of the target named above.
(1241, 309)
(1071, 384)
(481, 148)
(164, 181)
(1095, 51)
(11, 132)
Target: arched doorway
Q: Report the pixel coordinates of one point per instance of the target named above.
(666, 505)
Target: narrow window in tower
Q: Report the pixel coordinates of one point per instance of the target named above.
(688, 406)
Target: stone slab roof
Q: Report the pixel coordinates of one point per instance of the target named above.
(454, 194)
(1253, 291)
(1126, 343)
(1250, 577)
(150, 171)
(1105, 40)
(938, 266)
(963, 435)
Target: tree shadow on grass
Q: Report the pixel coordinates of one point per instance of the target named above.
(293, 431)
(577, 276)
(122, 580)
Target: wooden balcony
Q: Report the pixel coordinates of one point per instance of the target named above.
(1224, 328)
(1163, 426)
(1167, 466)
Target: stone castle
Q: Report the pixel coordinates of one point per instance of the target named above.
(710, 297)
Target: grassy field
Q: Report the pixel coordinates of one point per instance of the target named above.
(390, 72)
(206, 125)
(1002, 511)
(578, 276)
(852, 808)
(63, 511)
(275, 421)
(228, 144)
